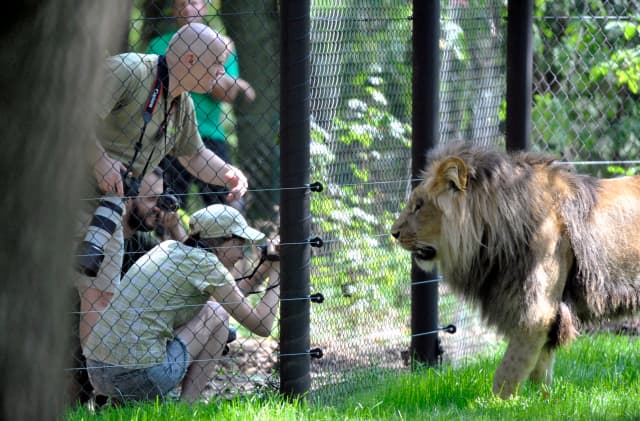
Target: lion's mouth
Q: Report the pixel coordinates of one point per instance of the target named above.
(425, 253)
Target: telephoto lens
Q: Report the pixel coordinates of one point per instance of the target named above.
(103, 224)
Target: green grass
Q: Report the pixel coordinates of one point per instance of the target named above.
(596, 379)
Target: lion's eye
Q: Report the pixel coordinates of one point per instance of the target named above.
(417, 205)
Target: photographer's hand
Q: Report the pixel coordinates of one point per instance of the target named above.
(210, 168)
(108, 172)
(237, 182)
(171, 221)
(273, 249)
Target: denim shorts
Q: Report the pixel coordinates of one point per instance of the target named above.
(128, 384)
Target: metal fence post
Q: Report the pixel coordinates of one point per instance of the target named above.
(426, 131)
(295, 378)
(519, 74)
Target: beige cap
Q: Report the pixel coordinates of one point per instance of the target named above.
(217, 221)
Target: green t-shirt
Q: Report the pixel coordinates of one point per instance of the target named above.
(208, 109)
(163, 290)
(129, 78)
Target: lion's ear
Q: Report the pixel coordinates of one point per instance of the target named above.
(454, 172)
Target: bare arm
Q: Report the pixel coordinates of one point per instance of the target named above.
(107, 170)
(228, 89)
(211, 169)
(258, 319)
(263, 272)
(174, 228)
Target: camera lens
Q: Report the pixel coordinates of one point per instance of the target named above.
(168, 203)
(106, 218)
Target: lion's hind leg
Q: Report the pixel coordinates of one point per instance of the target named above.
(522, 356)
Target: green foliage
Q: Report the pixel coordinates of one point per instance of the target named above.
(618, 170)
(360, 270)
(588, 74)
(623, 64)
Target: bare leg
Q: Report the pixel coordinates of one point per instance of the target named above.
(520, 358)
(205, 337)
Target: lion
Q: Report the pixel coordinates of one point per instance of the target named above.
(537, 247)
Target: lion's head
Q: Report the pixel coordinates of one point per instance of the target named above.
(469, 216)
(417, 229)
(422, 225)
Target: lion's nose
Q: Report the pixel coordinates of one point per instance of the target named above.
(395, 234)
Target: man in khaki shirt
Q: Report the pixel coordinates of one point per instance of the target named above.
(134, 82)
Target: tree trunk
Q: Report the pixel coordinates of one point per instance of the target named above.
(255, 29)
(51, 52)
(156, 22)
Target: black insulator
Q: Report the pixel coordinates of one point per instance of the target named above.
(316, 187)
(316, 242)
(316, 298)
(316, 353)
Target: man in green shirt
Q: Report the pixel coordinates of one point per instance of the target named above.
(209, 113)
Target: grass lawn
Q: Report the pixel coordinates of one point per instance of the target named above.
(596, 379)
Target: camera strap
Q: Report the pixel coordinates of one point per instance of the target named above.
(160, 87)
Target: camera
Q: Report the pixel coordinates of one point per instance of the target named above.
(106, 218)
(168, 202)
(266, 255)
(130, 184)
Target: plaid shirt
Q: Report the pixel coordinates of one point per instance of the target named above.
(163, 290)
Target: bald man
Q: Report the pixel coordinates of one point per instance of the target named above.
(210, 113)
(146, 113)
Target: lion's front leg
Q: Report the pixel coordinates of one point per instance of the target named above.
(543, 371)
(519, 360)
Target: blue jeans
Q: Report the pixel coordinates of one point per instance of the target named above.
(128, 384)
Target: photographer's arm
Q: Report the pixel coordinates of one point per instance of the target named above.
(174, 228)
(210, 168)
(270, 253)
(258, 319)
(229, 89)
(107, 170)
(249, 285)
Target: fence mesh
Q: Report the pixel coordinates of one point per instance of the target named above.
(584, 108)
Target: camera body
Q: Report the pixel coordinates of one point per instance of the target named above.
(130, 184)
(266, 256)
(168, 202)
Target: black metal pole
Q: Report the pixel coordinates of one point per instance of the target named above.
(295, 253)
(426, 132)
(519, 74)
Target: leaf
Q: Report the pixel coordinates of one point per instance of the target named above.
(630, 31)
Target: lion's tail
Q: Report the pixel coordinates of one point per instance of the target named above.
(563, 331)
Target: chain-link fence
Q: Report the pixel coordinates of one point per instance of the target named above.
(584, 107)
(586, 81)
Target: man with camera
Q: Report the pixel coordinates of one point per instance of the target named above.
(183, 294)
(143, 214)
(150, 218)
